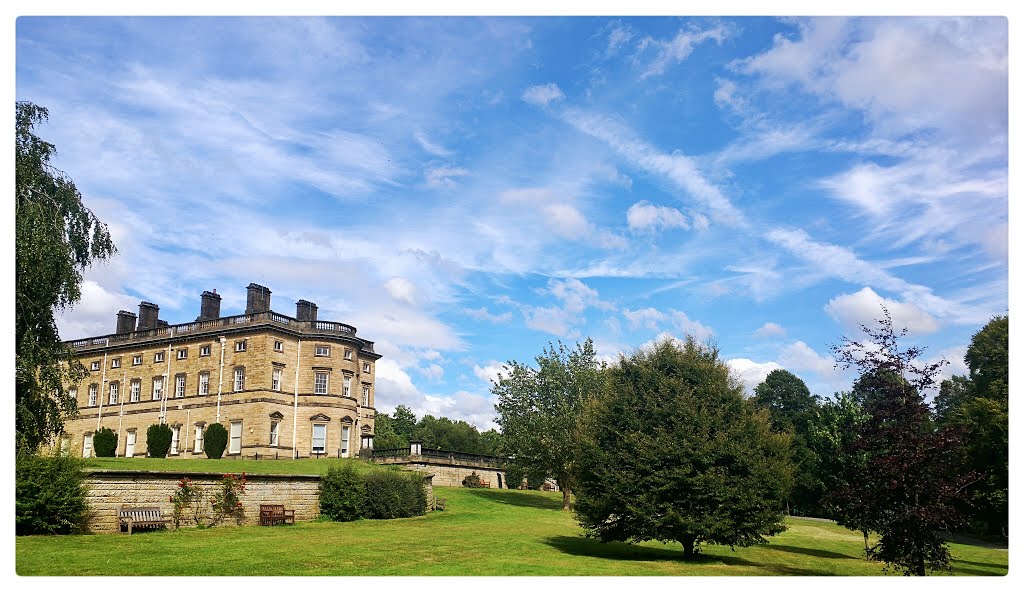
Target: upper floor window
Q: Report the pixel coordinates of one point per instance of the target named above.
(366, 396)
(323, 350)
(204, 350)
(114, 388)
(275, 381)
(158, 357)
(115, 363)
(366, 367)
(346, 387)
(240, 346)
(93, 390)
(73, 393)
(279, 346)
(183, 353)
(320, 383)
(134, 390)
(239, 379)
(204, 383)
(179, 386)
(158, 388)
(94, 366)
(136, 360)
(348, 354)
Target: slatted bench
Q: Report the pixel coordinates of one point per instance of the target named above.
(439, 503)
(140, 517)
(486, 484)
(273, 514)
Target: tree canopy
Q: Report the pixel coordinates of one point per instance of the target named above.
(56, 238)
(672, 451)
(539, 411)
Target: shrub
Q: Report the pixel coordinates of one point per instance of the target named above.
(104, 442)
(49, 495)
(342, 494)
(188, 499)
(393, 494)
(226, 502)
(215, 440)
(471, 480)
(158, 440)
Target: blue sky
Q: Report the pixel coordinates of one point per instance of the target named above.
(465, 190)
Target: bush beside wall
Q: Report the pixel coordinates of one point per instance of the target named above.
(391, 494)
(104, 442)
(158, 440)
(49, 495)
(342, 494)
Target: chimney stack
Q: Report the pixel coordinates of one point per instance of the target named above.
(257, 299)
(125, 321)
(148, 313)
(210, 307)
(305, 310)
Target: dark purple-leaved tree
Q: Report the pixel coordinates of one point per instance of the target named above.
(906, 484)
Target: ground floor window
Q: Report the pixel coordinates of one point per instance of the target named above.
(175, 433)
(273, 432)
(129, 444)
(235, 446)
(199, 437)
(87, 446)
(344, 440)
(319, 438)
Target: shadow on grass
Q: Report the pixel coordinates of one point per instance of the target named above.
(957, 562)
(813, 552)
(966, 571)
(628, 552)
(515, 498)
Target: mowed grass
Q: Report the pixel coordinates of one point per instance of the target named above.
(302, 466)
(481, 533)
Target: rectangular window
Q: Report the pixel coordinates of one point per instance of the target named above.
(158, 388)
(240, 346)
(344, 440)
(175, 432)
(366, 396)
(235, 445)
(93, 389)
(183, 353)
(129, 444)
(114, 388)
(134, 390)
(273, 432)
(199, 438)
(239, 379)
(73, 393)
(366, 367)
(319, 437)
(279, 346)
(348, 354)
(346, 389)
(94, 366)
(87, 446)
(158, 357)
(115, 363)
(204, 383)
(204, 350)
(320, 383)
(136, 360)
(322, 350)
(179, 386)
(275, 382)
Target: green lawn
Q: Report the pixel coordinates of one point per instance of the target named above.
(302, 466)
(482, 532)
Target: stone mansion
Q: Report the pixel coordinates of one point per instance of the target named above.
(285, 387)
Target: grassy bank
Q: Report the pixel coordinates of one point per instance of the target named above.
(482, 532)
(302, 466)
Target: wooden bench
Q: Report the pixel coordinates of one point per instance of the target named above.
(486, 484)
(439, 503)
(273, 514)
(140, 517)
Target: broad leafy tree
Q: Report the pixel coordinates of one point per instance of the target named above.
(673, 452)
(539, 411)
(56, 238)
(794, 409)
(384, 435)
(905, 481)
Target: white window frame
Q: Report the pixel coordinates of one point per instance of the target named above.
(73, 393)
(240, 346)
(318, 388)
(204, 383)
(199, 438)
(323, 439)
(348, 354)
(158, 357)
(158, 388)
(94, 390)
(175, 435)
(135, 390)
(345, 433)
(346, 388)
(87, 446)
(235, 438)
(179, 386)
(275, 432)
(136, 360)
(275, 379)
(322, 351)
(183, 353)
(239, 382)
(115, 390)
(115, 363)
(366, 395)
(204, 350)
(366, 367)
(278, 346)
(94, 366)
(129, 443)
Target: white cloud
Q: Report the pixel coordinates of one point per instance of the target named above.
(432, 372)
(750, 373)
(543, 95)
(643, 215)
(430, 147)
(444, 176)
(482, 314)
(617, 38)
(648, 318)
(698, 330)
(401, 289)
(677, 49)
(565, 221)
(799, 356)
(770, 330)
(96, 312)
(863, 307)
(489, 372)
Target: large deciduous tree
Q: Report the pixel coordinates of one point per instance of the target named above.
(539, 410)
(673, 452)
(56, 238)
(905, 481)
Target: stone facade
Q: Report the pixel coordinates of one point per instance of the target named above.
(281, 386)
(108, 490)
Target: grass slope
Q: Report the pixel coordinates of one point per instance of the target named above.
(482, 532)
(302, 466)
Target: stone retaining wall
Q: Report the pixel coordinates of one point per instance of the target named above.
(451, 474)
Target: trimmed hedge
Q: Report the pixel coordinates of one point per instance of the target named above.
(342, 494)
(104, 442)
(49, 495)
(215, 440)
(158, 440)
(391, 494)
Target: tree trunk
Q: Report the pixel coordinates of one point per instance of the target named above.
(689, 544)
(565, 499)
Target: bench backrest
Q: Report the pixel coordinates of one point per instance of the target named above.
(148, 513)
(271, 507)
